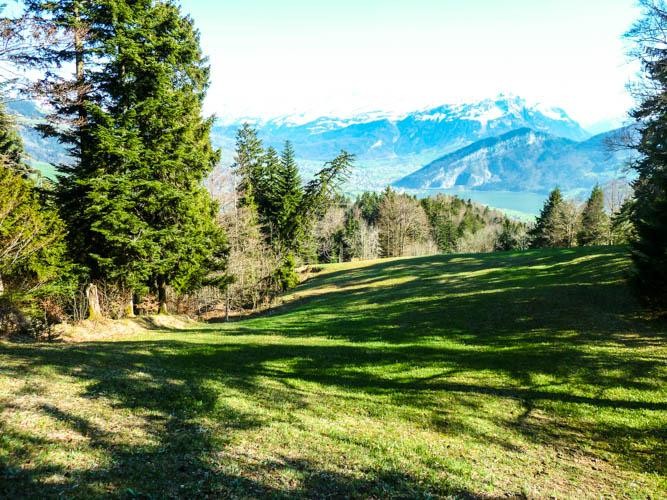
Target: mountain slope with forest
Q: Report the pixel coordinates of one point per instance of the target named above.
(525, 160)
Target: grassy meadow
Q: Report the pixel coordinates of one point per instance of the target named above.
(528, 374)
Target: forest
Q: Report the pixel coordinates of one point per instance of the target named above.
(129, 228)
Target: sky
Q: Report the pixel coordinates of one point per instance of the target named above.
(340, 57)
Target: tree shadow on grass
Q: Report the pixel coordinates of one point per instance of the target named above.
(521, 321)
(172, 399)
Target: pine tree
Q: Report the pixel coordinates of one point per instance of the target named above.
(249, 165)
(542, 233)
(11, 144)
(649, 214)
(133, 199)
(289, 221)
(594, 220)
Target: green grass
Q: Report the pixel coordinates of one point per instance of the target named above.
(530, 374)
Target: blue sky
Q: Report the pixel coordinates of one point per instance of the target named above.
(274, 57)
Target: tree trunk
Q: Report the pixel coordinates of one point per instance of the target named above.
(2, 286)
(227, 304)
(80, 76)
(162, 297)
(129, 307)
(93, 297)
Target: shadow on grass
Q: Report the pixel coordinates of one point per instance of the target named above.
(563, 316)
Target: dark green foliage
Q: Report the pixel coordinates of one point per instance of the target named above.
(541, 233)
(11, 145)
(622, 227)
(369, 204)
(133, 200)
(286, 276)
(557, 225)
(288, 195)
(442, 212)
(451, 218)
(249, 165)
(649, 249)
(512, 236)
(287, 210)
(594, 220)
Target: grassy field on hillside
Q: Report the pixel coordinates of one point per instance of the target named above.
(530, 374)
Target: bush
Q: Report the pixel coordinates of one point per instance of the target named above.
(286, 275)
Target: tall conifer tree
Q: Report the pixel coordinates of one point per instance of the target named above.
(649, 250)
(134, 198)
(594, 220)
(544, 227)
(290, 193)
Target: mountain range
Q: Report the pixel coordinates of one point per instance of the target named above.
(389, 148)
(526, 160)
(503, 143)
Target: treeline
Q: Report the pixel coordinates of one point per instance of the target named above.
(129, 228)
(563, 223)
(276, 223)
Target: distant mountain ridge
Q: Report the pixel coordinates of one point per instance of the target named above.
(524, 160)
(434, 132)
(502, 143)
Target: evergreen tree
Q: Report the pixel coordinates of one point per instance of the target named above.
(542, 233)
(269, 200)
(440, 213)
(289, 221)
(162, 83)
(369, 204)
(32, 249)
(134, 199)
(249, 165)
(12, 154)
(649, 250)
(594, 220)
(512, 236)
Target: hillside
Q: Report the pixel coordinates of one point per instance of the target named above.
(43, 153)
(525, 160)
(505, 375)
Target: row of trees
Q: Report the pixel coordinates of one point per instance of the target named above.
(272, 217)
(562, 223)
(274, 221)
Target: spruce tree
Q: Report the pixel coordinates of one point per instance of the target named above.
(158, 96)
(289, 220)
(269, 202)
(542, 233)
(594, 220)
(249, 165)
(133, 198)
(12, 154)
(649, 212)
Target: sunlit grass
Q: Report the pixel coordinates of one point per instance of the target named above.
(523, 374)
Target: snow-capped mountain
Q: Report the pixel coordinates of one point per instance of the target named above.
(389, 146)
(496, 144)
(524, 160)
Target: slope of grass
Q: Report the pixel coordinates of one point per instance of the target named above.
(530, 374)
